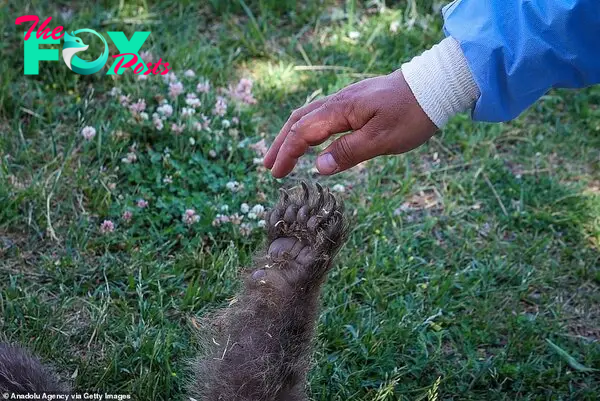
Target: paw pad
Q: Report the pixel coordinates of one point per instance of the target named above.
(306, 225)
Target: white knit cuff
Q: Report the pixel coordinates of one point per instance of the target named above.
(441, 81)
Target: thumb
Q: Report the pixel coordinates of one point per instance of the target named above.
(348, 150)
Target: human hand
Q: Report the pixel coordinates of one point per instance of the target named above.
(382, 113)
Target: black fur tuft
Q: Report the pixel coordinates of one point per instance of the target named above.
(21, 373)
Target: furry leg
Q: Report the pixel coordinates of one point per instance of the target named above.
(261, 343)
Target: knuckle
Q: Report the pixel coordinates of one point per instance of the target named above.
(296, 114)
(344, 152)
(339, 97)
(342, 103)
(350, 109)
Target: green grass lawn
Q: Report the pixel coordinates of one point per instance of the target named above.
(472, 271)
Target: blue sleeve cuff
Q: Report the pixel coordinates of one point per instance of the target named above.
(518, 50)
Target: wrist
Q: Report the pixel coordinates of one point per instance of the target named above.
(441, 81)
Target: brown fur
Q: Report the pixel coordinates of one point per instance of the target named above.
(259, 347)
(261, 344)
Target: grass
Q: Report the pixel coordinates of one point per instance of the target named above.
(472, 271)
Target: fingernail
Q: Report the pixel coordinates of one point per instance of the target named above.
(326, 164)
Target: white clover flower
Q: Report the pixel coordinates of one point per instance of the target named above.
(124, 100)
(165, 110)
(244, 208)
(203, 86)
(189, 74)
(205, 122)
(88, 133)
(220, 219)
(190, 217)
(226, 123)
(130, 158)
(354, 35)
(138, 106)
(258, 210)
(258, 160)
(115, 91)
(233, 186)
(338, 188)
(177, 128)
(107, 226)
(168, 180)
(234, 133)
(187, 112)
(147, 56)
(245, 229)
(252, 216)
(220, 106)
(175, 89)
(66, 14)
(260, 148)
(170, 77)
(261, 223)
(243, 91)
(127, 215)
(212, 153)
(192, 141)
(192, 100)
(144, 115)
(224, 208)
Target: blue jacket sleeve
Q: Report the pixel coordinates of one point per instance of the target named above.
(518, 49)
